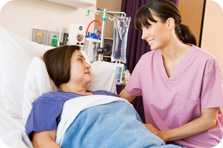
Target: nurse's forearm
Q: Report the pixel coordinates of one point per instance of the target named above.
(196, 126)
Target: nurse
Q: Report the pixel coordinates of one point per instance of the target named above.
(179, 82)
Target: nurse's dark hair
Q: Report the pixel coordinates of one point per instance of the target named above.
(163, 9)
(58, 63)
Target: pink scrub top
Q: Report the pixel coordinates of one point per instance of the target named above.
(170, 102)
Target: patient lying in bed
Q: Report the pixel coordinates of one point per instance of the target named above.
(73, 116)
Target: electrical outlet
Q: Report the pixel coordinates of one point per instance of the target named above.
(50, 35)
(43, 36)
(39, 36)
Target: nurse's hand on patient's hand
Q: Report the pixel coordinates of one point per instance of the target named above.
(157, 132)
(152, 128)
(163, 135)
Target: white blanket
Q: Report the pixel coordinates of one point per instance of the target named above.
(74, 106)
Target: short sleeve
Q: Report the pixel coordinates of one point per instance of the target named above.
(211, 94)
(133, 86)
(44, 116)
(104, 92)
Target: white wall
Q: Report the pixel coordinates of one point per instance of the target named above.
(20, 16)
(213, 30)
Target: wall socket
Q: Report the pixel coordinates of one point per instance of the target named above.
(43, 36)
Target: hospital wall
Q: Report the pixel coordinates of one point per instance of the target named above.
(28, 14)
(213, 30)
(20, 16)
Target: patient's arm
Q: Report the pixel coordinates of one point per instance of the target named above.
(126, 95)
(45, 139)
(201, 124)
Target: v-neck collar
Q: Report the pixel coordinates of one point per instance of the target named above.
(179, 66)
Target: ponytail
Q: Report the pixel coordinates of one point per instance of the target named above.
(184, 34)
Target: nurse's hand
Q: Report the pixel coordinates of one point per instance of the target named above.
(152, 128)
(163, 135)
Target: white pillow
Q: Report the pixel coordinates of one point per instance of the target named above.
(38, 82)
(103, 76)
(16, 55)
(12, 132)
(13, 62)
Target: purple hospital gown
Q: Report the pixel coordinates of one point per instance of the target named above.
(47, 109)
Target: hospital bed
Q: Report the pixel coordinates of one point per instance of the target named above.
(23, 78)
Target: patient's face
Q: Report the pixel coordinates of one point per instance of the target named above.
(80, 69)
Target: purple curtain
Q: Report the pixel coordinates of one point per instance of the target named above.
(135, 46)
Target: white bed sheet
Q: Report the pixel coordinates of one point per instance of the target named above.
(12, 134)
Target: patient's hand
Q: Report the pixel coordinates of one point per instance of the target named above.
(152, 128)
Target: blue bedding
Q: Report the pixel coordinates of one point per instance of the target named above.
(113, 125)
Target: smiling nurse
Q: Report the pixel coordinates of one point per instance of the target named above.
(179, 82)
